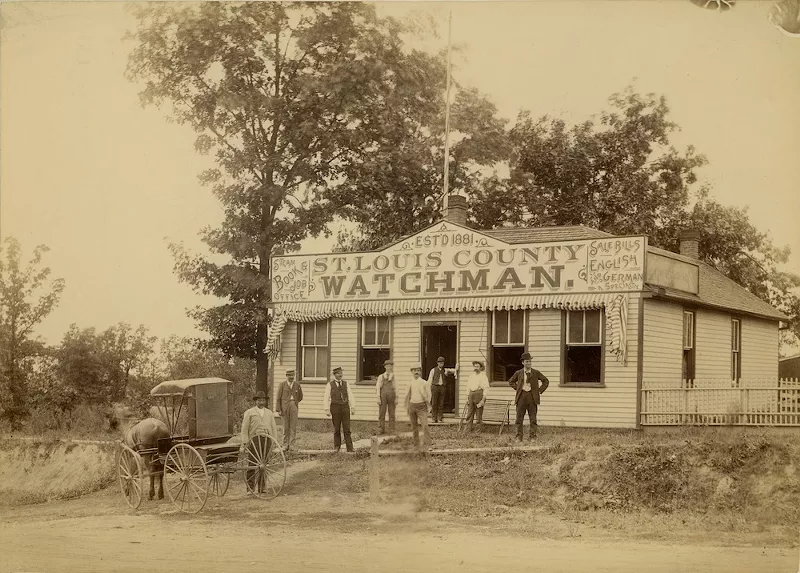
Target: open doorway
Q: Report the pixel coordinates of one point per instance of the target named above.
(441, 339)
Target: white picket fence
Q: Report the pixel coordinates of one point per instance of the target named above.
(763, 402)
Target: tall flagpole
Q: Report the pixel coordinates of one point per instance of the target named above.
(447, 114)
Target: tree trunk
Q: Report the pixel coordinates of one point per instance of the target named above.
(262, 361)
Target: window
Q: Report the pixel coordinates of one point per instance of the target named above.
(375, 345)
(688, 347)
(508, 343)
(736, 354)
(584, 352)
(315, 350)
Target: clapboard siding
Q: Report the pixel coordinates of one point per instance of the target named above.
(544, 342)
(759, 349)
(612, 406)
(663, 341)
(712, 345)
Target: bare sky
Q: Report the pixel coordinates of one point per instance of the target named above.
(104, 183)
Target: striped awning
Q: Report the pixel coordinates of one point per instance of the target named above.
(615, 304)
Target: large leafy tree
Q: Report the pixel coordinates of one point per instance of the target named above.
(27, 296)
(286, 96)
(620, 174)
(397, 188)
(616, 172)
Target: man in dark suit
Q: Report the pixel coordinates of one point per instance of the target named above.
(526, 384)
(286, 405)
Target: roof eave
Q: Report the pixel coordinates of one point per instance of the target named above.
(778, 316)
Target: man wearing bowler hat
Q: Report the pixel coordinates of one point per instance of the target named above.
(257, 424)
(287, 405)
(386, 388)
(339, 404)
(526, 384)
(436, 380)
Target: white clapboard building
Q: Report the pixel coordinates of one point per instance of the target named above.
(598, 313)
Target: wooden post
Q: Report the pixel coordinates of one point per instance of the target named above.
(374, 478)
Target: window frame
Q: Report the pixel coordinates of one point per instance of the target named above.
(565, 344)
(689, 351)
(490, 342)
(300, 353)
(736, 349)
(360, 354)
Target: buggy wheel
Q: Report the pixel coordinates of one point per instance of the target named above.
(218, 481)
(130, 475)
(265, 459)
(186, 478)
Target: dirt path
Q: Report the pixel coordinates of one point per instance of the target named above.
(135, 543)
(318, 532)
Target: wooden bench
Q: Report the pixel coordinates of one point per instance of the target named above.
(495, 412)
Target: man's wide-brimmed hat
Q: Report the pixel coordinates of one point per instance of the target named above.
(260, 394)
(526, 356)
(337, 369)
(289, 372)
(416, 366)
(388, 363)
(440, 359)
(479, 363)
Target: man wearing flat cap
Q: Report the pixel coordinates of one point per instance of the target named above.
(258, 424)
(528, 389)
(339, 404)
(418, 402)
(477, 388)
(436, 380)
(386, 389)
(287, 406)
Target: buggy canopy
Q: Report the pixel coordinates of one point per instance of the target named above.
(178, 387)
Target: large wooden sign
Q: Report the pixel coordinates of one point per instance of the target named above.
(448, 260)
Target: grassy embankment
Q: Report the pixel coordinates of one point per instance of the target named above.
(717, 481)
(723, 482)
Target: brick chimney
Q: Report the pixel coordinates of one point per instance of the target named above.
(690, 243)
(455, 209)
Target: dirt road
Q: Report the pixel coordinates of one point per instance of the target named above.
(94, 535)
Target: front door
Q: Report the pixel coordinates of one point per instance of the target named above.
(441, 340)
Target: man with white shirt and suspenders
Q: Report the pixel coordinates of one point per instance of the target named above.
(257, 423)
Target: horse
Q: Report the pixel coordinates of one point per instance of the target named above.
(145, 435)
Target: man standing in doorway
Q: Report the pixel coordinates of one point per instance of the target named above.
(477, 388)
(386, 388)
(339, 406)
(287, 404)
(436, 380)
(526, 384)
(257, 424)
(418, 402)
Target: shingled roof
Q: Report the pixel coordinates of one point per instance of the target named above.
(515, 235)
(717, 290)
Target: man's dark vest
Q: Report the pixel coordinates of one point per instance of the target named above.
(437, 375)
(338, 395)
